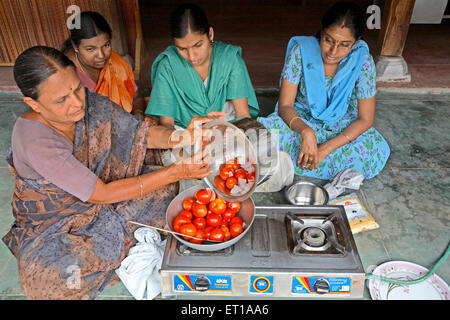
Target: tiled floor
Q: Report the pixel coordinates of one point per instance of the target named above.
(409, 199)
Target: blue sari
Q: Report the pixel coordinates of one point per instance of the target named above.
(328, 105)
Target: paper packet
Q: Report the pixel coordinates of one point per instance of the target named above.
(358, 216)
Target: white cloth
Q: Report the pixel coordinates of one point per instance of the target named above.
(282, 174)
(347, 178)
(139, 270)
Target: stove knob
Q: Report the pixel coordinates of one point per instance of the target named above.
(202, 284)
(321, 286)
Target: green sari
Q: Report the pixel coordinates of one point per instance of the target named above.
(179, 92)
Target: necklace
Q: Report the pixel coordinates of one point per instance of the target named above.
(79, 63)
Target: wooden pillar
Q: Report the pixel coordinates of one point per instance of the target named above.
(392, 38)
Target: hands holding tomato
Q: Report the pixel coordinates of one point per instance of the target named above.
(208, 217)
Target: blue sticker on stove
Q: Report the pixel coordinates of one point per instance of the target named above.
(306, 284)
(261, 284)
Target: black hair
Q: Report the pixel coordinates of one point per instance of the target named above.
(35, 65)
(188, 17)
(344, 13)
(92, 24)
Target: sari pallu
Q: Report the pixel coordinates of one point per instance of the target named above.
(69, 249)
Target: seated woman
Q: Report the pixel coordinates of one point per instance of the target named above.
(78, 162)
(197, 75)
(101, 69)
(326, 109)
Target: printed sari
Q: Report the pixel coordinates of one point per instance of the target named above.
(69, 249)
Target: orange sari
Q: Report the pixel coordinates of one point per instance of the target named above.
(116, 81)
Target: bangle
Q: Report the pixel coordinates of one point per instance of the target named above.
(290, 122)
(141, 187)
(346, 137)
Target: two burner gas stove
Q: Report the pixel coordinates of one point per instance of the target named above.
(290, 251)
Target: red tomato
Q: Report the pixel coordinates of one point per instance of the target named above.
(188, 229)
(226, 173)
(235, 229)
(231, 182)
(224, 223)
(233, 163)
(200, 234)
(251, 176)
(179, 221)
(204, 195)
(227, 234)
(213, 220)
(199, 210)
(207, 232)
(200, 223)
(218, 206)
(217, 235)
(235, 220)
(228, 214)
(234, 206)
(186, 213)
(220, 184)
(240, 174)
(187, 203)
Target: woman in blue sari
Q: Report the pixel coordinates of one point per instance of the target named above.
(325, 113)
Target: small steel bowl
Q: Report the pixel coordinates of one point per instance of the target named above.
(306, 193)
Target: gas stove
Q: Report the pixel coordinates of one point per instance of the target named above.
(290, 251)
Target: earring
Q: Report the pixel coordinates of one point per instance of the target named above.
(211, 41)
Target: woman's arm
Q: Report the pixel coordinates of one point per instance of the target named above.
(196, 167)
(308, 151)
(366, 116)
(241, 108)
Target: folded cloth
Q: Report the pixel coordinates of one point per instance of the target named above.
(139, 270)
(347, 178)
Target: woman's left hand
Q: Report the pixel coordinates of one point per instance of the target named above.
(194, 129)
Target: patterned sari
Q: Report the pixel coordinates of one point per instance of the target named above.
(69, 249)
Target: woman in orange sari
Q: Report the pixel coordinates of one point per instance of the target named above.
(101, 69)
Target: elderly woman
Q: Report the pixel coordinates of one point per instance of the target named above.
(78, 162)
(101, 69)
(325, 113)
(197, 75)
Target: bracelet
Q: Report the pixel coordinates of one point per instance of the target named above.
(290, 122)
(141, 187)
(346, 137)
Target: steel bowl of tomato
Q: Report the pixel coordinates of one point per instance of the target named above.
(234, 162)
(199, 212)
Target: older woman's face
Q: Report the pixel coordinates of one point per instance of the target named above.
(95, 52)
(195, 48)
(335, 44)
(62, 97)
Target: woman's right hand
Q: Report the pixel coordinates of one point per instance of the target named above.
(195, 167)
(308, 158)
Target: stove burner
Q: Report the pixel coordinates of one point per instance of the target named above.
(184, 250)
(313, 236)
(318, 235)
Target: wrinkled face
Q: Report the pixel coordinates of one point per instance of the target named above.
(335, 43)
(195, 48)
(61, 97)
(95, 52)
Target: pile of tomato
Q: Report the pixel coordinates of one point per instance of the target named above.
(229, 176)
(208, 217)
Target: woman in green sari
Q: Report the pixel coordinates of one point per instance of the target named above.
(197, 75)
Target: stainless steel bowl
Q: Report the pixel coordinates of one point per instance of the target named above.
(230, 142)
(306, 193)
(247, 213)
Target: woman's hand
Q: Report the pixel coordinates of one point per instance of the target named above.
(194, 130)
(195, 167)
(308, 158)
